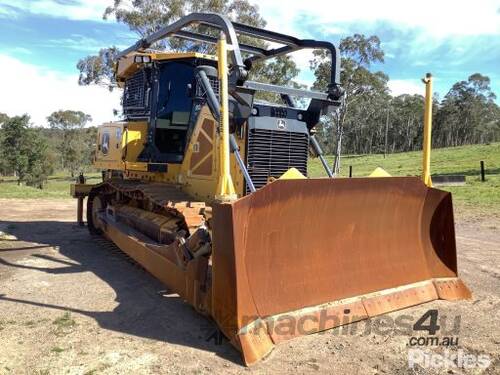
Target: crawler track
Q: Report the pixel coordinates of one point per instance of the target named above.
(161, 198)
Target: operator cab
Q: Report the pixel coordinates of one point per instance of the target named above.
(159, 92)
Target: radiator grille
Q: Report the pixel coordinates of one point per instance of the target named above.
(271, 153)
(135, 94)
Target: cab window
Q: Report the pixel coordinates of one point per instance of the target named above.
(105, 143)
(174, 107)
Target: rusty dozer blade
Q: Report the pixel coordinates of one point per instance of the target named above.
(301, 256)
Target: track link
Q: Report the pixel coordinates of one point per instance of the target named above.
(162, 198)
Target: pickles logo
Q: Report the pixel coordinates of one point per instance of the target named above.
(449, 359)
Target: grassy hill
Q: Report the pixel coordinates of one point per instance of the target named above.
(475, 196)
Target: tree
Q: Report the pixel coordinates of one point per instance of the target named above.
(148, 16)
(3, 118)
(406, 113)
(3, 166)
(40, 160)
(98, 69)
(25, 152)
(72, 145)
(89, 143)
(15, 146)
(362, 87)
(468, 113)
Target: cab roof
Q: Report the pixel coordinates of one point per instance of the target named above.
(130, 64)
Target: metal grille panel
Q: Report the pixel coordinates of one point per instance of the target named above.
(278, 112)
(135, 94)
(271, 153)
(214, 82)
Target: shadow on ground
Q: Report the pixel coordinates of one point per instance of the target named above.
(142, 309)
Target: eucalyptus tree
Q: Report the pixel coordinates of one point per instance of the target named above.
(362, 86)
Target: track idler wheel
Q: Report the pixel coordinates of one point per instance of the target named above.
(95, 205)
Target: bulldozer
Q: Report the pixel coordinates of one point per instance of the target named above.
(207, 187)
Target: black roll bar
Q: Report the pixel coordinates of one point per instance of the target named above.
(231, 29)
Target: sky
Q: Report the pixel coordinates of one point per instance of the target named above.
(41, 42)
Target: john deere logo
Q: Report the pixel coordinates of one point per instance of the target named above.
(281, 124)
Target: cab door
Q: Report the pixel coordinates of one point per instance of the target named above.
(110, 146)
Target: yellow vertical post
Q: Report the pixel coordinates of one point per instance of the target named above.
(225, 187)
(427, 143)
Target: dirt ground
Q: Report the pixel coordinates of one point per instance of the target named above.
(72, 305)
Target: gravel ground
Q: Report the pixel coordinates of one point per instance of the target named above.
(72, 305)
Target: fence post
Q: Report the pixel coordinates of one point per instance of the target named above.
(482, 171)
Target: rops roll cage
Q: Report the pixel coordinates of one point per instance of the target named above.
(240, 67)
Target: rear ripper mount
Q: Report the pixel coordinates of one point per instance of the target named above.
(313, 253)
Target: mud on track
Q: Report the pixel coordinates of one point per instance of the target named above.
(71, 304)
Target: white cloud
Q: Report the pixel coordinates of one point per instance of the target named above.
(437, 18)
(72, 9)
(79, 42)
(405, 86)
(7, 12)
(20, 50)
(302, 58)
(30, 89)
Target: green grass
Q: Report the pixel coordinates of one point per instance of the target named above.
(64, 324)
(464, 160)
(64, 321)
(56, 187)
